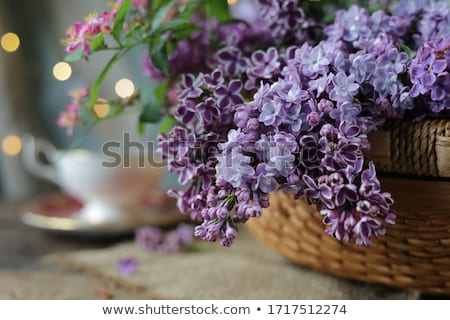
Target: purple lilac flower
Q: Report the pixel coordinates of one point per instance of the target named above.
(315, 62)
(284, 19)
(363, 66)
(154, 239)
(426, 68)
(190, 87)
(265, 65)
(232, 62)
(344, 87)
(235, 168)
(441, 88)
(148, 237)
(429, 72)
(303, 125)
(229, 96)
(127, 266)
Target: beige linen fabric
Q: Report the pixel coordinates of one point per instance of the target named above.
(245, 271)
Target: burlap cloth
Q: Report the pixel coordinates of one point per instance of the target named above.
(246, 271)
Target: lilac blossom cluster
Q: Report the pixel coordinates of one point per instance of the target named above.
(155, 239)
(429, 73)
(432, 17)
(296, 119)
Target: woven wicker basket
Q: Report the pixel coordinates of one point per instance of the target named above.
(415, 253)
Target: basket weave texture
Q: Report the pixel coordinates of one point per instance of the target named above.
(415, 253)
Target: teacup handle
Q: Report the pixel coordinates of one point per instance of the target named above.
(30, 157)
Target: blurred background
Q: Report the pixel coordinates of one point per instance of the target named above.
(34, 82)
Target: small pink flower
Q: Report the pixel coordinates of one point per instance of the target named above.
(78, 95)
(69, 119)
(81, 34)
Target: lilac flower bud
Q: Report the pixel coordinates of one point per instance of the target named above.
(222, 213)
(264, 200)
(212, 213)
(196, 215)
(185, 233)
(222, 194)
(253, 124)
(230, 230)
(211, 197)
(148, 237)
(293, 179)
(325, 106)
(329, 132)
(205, 214)
(200, 231)
(241, 117)
(240, 213)
(243, 195)
(253, 211)
(226, 242)
(313, 118)
(390, 218)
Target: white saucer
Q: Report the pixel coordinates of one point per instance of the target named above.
(60, 213)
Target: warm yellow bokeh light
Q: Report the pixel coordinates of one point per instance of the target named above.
(62, 71)
(124, 88)
(232, 2)
(101, 108)
(12, 145)
(10, 42)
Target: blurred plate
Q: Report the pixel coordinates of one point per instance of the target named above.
(58, 213)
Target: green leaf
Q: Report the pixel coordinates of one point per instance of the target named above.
(98, 83)
(120, 18)
(185, 32)
(156, 4)
(375, 7)
(161, 14)
(141, 128)
(98, 42)
(409, 51)
(174, 25)
(161, 90)
(152, 113)
(218, 9)
(74, 56)
(167, 124)
(158, 53)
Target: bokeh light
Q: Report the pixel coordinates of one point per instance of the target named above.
(232, 2)
(10, 42)
(12, 145)
(101, 108)
(124, 88)
(62, 71)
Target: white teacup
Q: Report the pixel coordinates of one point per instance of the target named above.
(110, 195)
